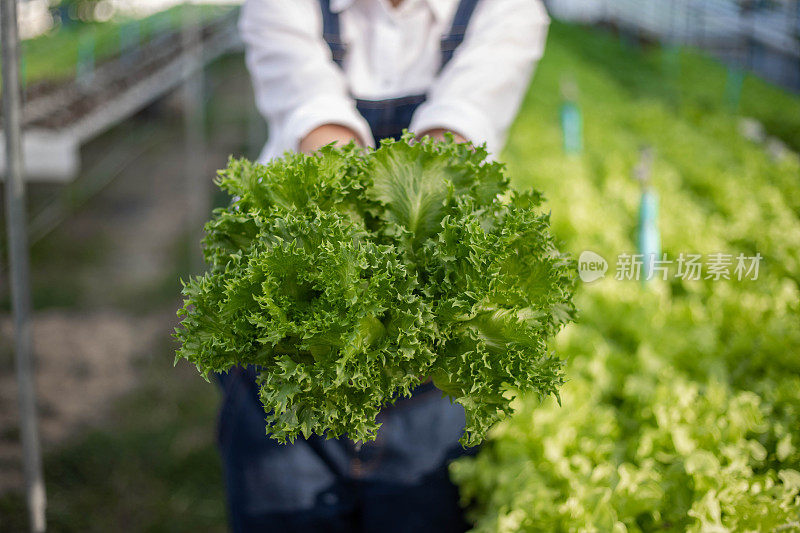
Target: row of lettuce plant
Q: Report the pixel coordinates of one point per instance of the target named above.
(682, 406)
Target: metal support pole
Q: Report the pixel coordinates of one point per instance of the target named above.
(198, 184)
(796, 34)
(18, 259)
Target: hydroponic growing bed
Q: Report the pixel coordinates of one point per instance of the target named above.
(682, 405)
(61, 113)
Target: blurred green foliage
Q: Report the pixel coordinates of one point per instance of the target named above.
(682, 411)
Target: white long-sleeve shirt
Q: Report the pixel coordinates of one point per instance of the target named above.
(391, 52)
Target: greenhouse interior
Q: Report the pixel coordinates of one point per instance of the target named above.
(400, 265)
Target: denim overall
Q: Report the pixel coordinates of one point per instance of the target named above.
(397, 483)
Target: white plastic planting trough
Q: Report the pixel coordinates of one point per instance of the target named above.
(52, 154)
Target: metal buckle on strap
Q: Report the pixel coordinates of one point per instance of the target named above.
(451, 41)
(338, 48)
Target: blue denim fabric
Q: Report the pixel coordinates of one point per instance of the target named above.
(396, 483)
(388, 118)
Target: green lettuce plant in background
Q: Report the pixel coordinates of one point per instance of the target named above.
(681, 410)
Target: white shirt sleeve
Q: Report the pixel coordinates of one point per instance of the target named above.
(479, 91)
(297, 85)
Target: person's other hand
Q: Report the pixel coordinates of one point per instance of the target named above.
(438, 134)
(326, 134)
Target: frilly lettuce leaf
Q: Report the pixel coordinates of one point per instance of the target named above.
(350, 275)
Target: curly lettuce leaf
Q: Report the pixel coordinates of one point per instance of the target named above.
(348, 276)
(500, 289)
(416, 184)
(330, 318)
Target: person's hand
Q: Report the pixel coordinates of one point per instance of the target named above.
(326, 134)
(438, 135)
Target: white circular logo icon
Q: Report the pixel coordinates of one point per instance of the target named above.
(591, 266)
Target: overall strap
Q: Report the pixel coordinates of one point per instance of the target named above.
(331, 32)
(460, 22)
